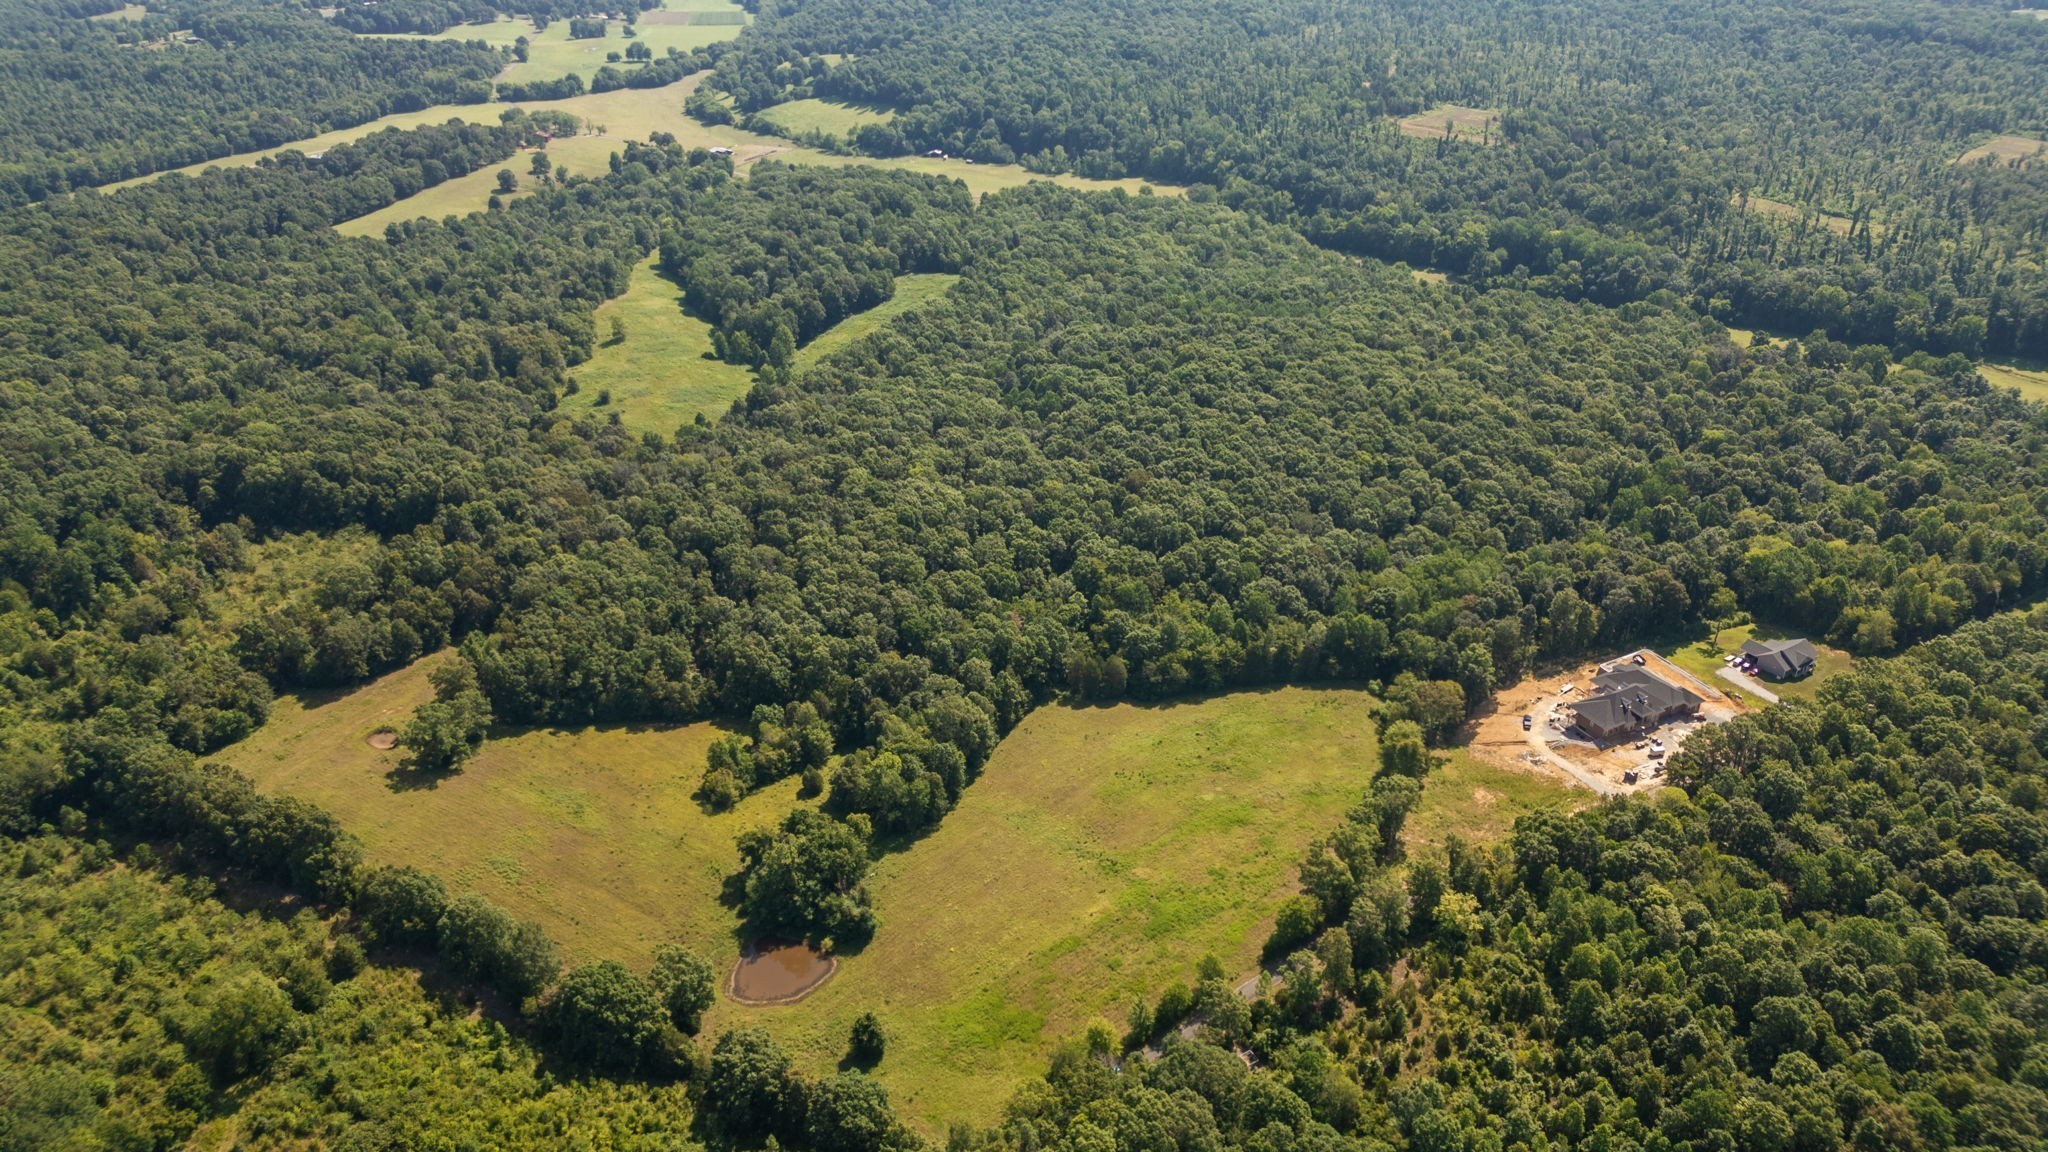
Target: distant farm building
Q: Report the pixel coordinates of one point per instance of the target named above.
(1780, 659)
(721, 150)
(1631, 700)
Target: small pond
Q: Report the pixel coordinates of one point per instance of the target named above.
(777, 972)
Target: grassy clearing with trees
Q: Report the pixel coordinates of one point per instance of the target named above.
(832, 118)
(912, 291)
(553, 53)
(593, 833)
(1102, 852)
(662, 374)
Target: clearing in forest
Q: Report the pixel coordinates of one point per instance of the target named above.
(2030, 379)
(552, 54)
(1100, 855)
(912, 291)
(1778, 209)
(663, 373)
(1455, 122)
(833, 119)
(623, 114)
(591, 832)
(125, 14)
(2007, 150)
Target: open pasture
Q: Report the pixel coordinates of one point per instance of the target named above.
(833, 119)
(2029, 379)
(592, 832)
(552, 54)
(1102, 853)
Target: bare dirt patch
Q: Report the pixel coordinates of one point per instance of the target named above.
(1549, 746)
(772, 973)
(383, 740)
(1454, 122)
(2007, 150)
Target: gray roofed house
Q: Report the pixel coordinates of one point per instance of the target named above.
(1630, 700)
(1781, 659)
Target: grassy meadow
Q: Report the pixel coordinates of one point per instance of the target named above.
(621, 115)
(1102, 853)
(1780, 210)
(842, 120)
(663, 374)
(2030, 380)
(1467, 797)
(551, 54)
(912, 291)
(2007, 150)
(593, 832)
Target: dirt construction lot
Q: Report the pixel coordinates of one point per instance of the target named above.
(1545, 747)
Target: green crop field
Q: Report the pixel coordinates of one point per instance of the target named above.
(912, 291)
(663, 374)
(1101, 854)
(800, 116)
(593, 833)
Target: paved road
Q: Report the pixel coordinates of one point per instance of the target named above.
(1748, 684)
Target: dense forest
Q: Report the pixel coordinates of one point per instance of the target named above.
(1629, 135)
(1143, 447)
(90, 104)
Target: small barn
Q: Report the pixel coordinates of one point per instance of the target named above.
(1631, 700)
(1780, 659)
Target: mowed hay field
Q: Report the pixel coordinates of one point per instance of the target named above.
(593, 832)
(1102, 853)
(663, 374)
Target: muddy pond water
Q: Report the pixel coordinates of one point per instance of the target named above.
(776, 972)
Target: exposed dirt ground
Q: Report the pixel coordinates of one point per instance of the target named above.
(1498, 737)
